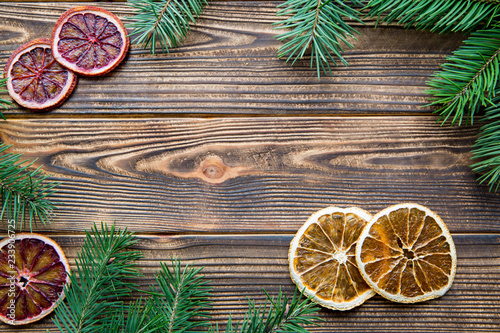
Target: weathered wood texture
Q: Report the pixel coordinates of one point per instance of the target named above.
(229, 193)
(228, 66)
(252, 174)
(240, 266)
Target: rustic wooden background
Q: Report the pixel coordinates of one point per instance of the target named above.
(218, 152)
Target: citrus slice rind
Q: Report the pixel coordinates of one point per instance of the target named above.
(33, 274)
(89, 40)
(322, 258)
(35, 80)
(406, 254)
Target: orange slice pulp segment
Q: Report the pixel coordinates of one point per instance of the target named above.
(322, 258)
(406, 254)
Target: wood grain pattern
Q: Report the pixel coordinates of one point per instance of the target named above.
(228, 66)
(169, 146)
(252, 174)
(240, 266)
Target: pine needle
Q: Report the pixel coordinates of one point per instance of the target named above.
(281, 314)
(182, 295)
(436, 15)
(469, 77)
(24, 192)
(134, 318)
(467, 82)
(318, 26)
(165, 22)
(487, 148)
(104, 268)
(180, 302)
(3, 102)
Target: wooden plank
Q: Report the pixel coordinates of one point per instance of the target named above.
(228, 66)
(252, 174)
(240, 266)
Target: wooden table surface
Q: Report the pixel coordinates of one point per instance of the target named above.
(218, 152)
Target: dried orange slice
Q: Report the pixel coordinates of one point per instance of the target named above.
(89, 40)
(33, 272)
(322, 258)
(35, 80)
(406, 254)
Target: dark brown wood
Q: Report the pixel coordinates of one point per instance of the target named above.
(252, 174)
(228, 66)
(240, 266)
(168, 146)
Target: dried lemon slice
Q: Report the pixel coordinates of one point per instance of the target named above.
(322, 258)
(406, 254)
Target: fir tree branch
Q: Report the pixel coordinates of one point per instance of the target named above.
(140, 319)
(487, 147)
(469, 77)
(166, 22)
(436, 15)
(289, 315)
(182, 295)
(3, 102)
(24, 192)
(134, 318)
(100, 279)
(319, 25)
(179, 304)
(283, 315)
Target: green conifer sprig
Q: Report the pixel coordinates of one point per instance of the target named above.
(105, 274)
(105, 270)
(134, 318)
(3, 102)
(24, 192)
(436, 15)
(468, 79)
(487, 147)
(139, 318)
(281, 314)
(319, 26)
(182, 295)
(165, 22)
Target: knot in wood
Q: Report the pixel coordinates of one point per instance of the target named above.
(213, 171)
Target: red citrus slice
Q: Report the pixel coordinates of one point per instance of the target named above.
(89, 40)
(35, 80)
(33, 272)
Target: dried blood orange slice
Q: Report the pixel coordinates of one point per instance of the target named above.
(322, 258)
(89, 40)
(35, 80)
(406, 254)
(33, 272)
